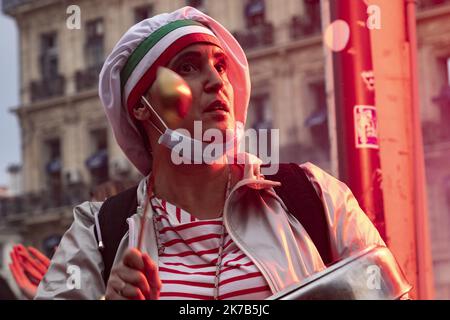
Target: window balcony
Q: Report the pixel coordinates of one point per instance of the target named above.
(258, 36)
(71, 194)
(13, 7)
(302, 27)
(47, 88)
(10, 5)
(87, 79)
(428, 4)
(439, 131)
(39, 202)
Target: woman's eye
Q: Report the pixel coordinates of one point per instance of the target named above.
(221, 67)
(186, 68)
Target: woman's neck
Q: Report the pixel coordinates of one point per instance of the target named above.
(197, 189)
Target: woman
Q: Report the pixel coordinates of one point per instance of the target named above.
(214, 231)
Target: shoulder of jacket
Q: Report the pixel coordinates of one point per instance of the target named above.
(317, 175)
(86, 211)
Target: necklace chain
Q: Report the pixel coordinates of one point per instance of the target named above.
(161, 247)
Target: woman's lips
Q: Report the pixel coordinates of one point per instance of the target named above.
(218, 112)
(217, 106)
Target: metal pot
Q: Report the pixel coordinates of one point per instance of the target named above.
(372, 274)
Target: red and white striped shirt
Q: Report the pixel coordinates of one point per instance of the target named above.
(187, 265)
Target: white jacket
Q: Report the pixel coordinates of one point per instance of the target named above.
(255, 218)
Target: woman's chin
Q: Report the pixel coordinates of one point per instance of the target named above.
(217, 120)
(216, 116)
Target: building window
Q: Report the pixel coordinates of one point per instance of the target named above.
(309, 23)
(262, 113)
(447, 64)
(49, 56)
(259, 31)
(99, 139)
(53, 150)
(97, 163)
(87, 78)
(425, 4)
(440, 131)
(51, 83)
(142, 13)
(317, 121)
(446, 189)
(1, 255)
(260, 119)
(53, 168)
(312, 12)
(255, 13)
(94, 47)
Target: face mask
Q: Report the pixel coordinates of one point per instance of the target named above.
(178, 142)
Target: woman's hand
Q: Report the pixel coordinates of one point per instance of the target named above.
(135, 277)
(28, 267)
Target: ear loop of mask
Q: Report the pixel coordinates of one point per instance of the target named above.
(161, 121)
(169, 137)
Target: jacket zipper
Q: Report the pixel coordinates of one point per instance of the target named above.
(259, 265)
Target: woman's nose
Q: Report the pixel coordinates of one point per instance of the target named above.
(213, 81)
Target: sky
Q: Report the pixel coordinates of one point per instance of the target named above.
(9, 96)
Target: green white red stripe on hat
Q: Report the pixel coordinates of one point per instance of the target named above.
(157, 50)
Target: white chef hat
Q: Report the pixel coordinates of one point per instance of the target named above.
(130, 70)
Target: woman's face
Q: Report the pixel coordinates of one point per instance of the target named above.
(204, 67)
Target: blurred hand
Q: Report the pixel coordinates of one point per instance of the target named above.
(28, 267)
(135, 278)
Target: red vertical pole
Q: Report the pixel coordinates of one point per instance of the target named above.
(356, 115)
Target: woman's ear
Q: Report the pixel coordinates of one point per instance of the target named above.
(141, 112)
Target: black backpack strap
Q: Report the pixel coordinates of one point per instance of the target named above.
(113, 224)
(303, 202)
